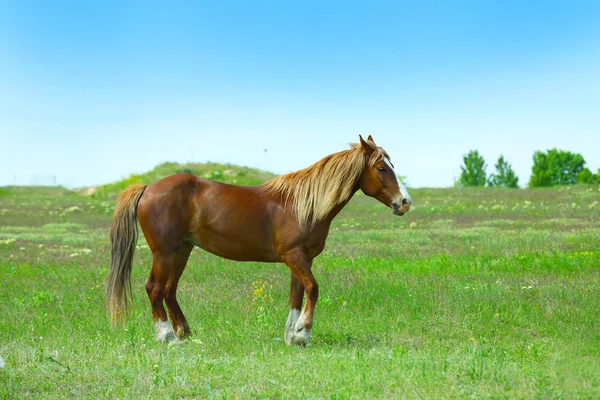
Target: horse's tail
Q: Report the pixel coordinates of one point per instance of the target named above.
(123, 237)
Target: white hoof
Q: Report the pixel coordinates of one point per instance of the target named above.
(290, 325)
(295, 331)
(164, 332)
(301, 337)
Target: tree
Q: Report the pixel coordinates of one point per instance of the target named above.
(587, 177)
(540, 172)
(556, 167)
(473, 170)
(504, 176)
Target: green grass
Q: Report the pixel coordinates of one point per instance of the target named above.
(483, 293)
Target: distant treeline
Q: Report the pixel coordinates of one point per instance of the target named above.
(551, 168)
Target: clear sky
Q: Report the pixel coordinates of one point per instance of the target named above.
(91, 91)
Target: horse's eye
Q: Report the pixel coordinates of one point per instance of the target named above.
(381, 169)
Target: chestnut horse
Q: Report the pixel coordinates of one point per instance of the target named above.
(286, 219)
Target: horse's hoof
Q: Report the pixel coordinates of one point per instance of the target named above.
(168, 338)
(175, 342)
(288, 337)
(300, 338)
(164, 332)
(182, 333)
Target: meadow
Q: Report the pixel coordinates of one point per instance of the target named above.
(475, 293)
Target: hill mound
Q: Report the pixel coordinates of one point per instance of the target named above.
(227, 173)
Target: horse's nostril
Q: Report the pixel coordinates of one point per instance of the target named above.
(404, 202)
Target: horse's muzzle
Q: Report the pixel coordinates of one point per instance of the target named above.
(397, 211)
(402, 207)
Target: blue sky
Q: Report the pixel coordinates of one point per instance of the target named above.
(93, 91)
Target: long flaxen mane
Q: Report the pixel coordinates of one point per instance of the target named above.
(315, 190)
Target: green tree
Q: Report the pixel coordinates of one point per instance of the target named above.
(504, 176)
(473, 170)
(540, 172)
(587, 177)
(556, 167)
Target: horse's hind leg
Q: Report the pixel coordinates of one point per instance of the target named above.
(161, 286)
(156, 288)
(178, 321)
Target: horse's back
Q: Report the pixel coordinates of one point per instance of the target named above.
(227, 220)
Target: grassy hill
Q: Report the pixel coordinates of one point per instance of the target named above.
(227, 173)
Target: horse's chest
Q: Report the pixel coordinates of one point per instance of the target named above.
(315, 246)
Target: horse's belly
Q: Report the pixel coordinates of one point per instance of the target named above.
(235, 247)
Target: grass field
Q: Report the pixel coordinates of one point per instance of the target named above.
(475, 293)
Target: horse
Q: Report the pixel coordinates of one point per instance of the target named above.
(284, 220)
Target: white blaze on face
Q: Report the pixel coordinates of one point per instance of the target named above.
(403, 190)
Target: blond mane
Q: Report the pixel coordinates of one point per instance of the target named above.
(315, 190)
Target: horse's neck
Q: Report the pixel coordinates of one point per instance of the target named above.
(336, 210)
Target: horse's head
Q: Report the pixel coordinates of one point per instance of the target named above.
(379, 180)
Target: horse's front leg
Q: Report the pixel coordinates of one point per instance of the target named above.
(298, 325)
(296, 298)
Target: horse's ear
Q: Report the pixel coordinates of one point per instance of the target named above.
(371, 139)
(367, 148)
